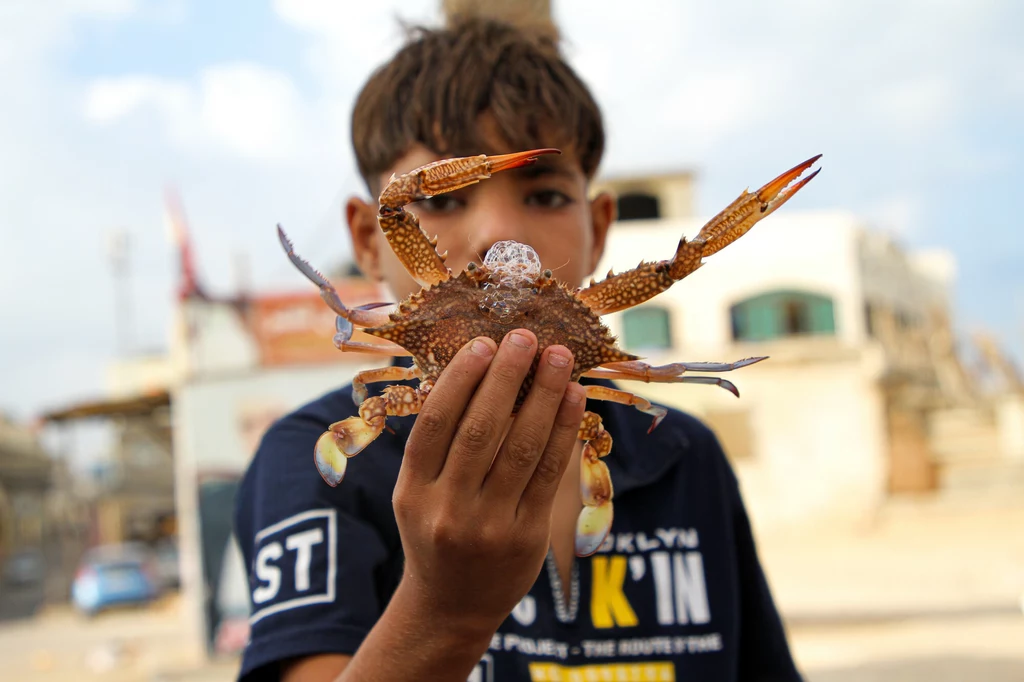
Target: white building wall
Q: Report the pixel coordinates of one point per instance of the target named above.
(816, 415)
(807, 251)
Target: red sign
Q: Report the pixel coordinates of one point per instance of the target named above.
(299, 328)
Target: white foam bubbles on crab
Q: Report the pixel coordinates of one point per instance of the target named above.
(513, 266)
(513, 263)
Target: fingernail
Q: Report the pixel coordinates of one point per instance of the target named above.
(519, 340)
(557, 360)
(481, 348)
(574, 393)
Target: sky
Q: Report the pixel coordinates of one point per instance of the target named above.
(917, 106)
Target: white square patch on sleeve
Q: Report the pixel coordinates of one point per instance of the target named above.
(295, 563)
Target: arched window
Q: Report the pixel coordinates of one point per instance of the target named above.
(638, 206)
(647, 327)
(782, 313)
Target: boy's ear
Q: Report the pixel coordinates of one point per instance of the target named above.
(362, 226)
(603, 210)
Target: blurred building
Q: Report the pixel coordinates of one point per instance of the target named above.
(25, 475)
(865, 394)
(187, 422)
(239, 363)
(130, 491)
(28, 528)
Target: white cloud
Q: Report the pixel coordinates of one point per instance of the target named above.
(108, 100)
(254, 111)
(29, 29)
(245, 109)
(349, 39)
(707, 107)
(923, 107)
(898, 215)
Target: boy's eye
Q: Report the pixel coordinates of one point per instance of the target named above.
(548, 198)
(444, 203)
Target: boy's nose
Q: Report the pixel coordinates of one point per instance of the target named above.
(498, 226)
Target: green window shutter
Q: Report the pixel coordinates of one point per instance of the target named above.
(822, 315)
(647, 327)
(782, 313)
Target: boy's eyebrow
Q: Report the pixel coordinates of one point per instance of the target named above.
(544, 166)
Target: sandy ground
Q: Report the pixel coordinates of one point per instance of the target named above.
(924, 592)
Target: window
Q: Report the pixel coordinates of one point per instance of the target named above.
(647, 327)
(638, 206)
(782, 313)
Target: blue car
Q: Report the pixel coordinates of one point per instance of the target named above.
(114, 575)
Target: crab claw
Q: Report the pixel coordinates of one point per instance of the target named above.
(777, 192)
(592, 527)
(502, 162)
(449, 175)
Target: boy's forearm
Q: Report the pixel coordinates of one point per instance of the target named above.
(408, 644)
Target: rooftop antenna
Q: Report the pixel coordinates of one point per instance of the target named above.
(243, 285)
(118, 253)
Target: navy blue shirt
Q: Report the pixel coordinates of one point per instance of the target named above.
(675, 593)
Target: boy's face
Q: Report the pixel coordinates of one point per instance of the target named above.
(544, 205)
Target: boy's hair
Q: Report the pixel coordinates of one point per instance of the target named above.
(435, 89)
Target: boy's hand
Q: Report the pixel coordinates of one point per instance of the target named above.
(474, 512)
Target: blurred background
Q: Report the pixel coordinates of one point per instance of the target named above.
(152, 328)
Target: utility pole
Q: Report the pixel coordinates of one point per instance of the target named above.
(118, 246)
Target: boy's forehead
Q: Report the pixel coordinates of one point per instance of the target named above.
(565, 164)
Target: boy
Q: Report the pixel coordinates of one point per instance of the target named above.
(447, 552)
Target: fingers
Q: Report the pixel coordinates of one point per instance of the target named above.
(528, 436)
(434, 428)
(538, 497)
(484, 422)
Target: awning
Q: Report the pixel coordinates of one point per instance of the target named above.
(125, 407)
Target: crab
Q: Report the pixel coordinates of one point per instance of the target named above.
(509, 290)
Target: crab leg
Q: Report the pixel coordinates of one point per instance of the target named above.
(349, 437)
(642, 369)
(670, 374)
(624, 376)
(365, 316)
(370, 376)
(612, 375)
(416, 252)
(595, 521)
(647, 280)
(627, 398)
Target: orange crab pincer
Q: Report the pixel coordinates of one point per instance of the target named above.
(510, 290)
